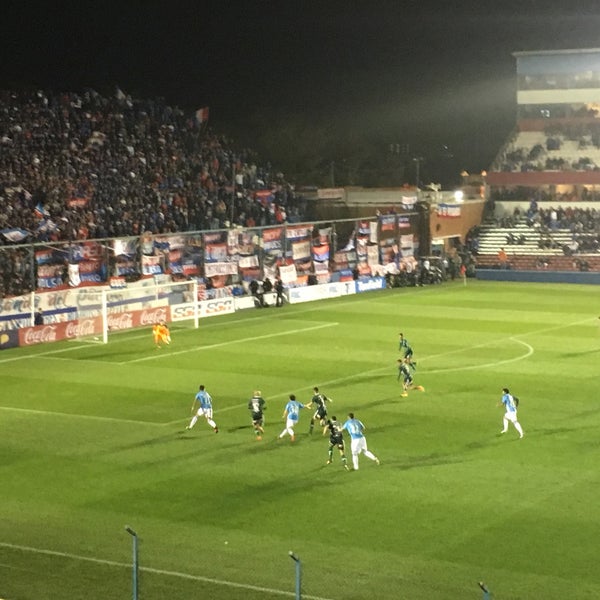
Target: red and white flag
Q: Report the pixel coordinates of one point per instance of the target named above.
(202, 115)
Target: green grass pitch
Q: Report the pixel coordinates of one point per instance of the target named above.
(93, 439)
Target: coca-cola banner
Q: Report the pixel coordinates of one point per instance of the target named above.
(29, 336)
(138, 318)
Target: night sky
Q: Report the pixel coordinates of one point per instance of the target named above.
(438, 76)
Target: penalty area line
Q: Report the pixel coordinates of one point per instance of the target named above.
(236, 341)
(154, 571)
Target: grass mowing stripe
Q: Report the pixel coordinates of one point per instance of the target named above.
(114, 563)
(229, 343)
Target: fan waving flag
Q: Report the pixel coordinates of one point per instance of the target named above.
(40, 212)
(202, 115)
(16, 234)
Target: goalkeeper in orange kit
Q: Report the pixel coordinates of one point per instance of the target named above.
(161, 334)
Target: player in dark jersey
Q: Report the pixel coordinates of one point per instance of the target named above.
(405, 375)
(336, 440)
(319, 400)
(405, 347)
(256, 405)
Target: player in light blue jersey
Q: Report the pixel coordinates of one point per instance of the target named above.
(510, 405)
(358, 441)
(204, 402)
(291, 414)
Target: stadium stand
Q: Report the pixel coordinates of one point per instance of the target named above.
(76, 166)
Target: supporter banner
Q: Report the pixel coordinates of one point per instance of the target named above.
(248, 262)
(403, 222)
(49, 276)
(321, 253)
(151, 265)
(215, 237)
(374, 235)
(125, 247)
(387, 250)
(372, 255)
(322, 272)
(74, 278)
(407, 245)
(387, 222)
(448, 210)
(288, 273)
(325, 235)
(222, 268)
(243, 242)
(344, 259)
(126, 267)
(215, 253)
(364, 228)
(86, 251)
(297, 233)
(273, 239)
(174, 258)
(301, 250)
(52, 256)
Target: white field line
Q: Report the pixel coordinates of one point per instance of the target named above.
(50, 413)
(176, 574)
(229, 343)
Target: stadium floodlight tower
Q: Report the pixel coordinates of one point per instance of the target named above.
(135, 568)
(298, 562)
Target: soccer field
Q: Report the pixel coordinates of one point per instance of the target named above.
(93, 439)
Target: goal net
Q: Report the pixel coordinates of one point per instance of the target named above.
(99, 313)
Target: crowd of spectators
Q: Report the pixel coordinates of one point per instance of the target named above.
(77, 166)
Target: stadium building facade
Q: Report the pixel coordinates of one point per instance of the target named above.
(553, 152)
